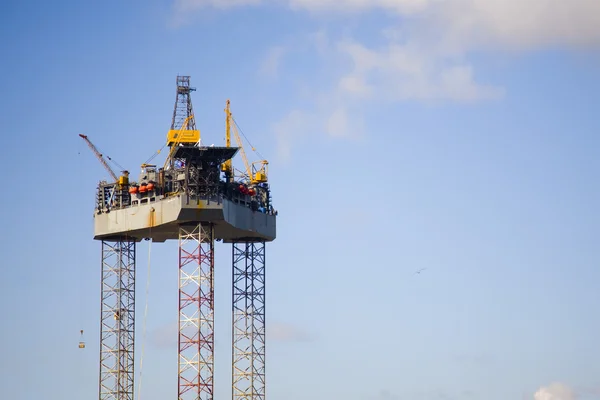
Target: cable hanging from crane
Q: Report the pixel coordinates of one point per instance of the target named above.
(114, 162)
(149, 160)
(101, 156)
(245, 137)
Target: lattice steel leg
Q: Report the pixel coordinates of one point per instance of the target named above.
(196, 312)
(117, 321)
(248, 321)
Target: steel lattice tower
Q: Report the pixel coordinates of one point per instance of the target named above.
(117, 320)
(183, 104)
(248, 321)
(196, 312)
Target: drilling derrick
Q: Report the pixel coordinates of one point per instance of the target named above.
(183, 104)
(196, 199)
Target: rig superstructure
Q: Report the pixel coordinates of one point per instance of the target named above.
(196, 197)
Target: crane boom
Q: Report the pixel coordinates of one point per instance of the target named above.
(99, 156)
(253, 177)
(227, 166)
(228, 127)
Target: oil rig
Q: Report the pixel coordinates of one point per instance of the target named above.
(196, 198)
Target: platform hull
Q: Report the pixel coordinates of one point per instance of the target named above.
(160, 220)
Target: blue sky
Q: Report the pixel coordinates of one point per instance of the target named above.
(457, 136)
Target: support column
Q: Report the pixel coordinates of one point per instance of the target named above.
(196, 312)
(117, 324)
(248, 321)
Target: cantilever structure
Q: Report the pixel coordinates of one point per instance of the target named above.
(190, 201)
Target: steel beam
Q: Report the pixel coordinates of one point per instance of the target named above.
(117, 320)
(196, 312)
(248, 321)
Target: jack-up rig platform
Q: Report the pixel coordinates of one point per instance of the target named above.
(197, 198)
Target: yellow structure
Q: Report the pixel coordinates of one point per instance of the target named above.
(186, 136)
(253, 174)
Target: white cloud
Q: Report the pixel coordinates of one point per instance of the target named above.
(331, 114)
(463, 23)
(183, 10)
(515, 23)
(337, 122)
(192, 5)
(320, 41)
(408, 71)
(424, 54)
(288, 130)
(400, 6)
(271, 63)
(555, 391)
(355, 84)
(285, 332)
(520, 24)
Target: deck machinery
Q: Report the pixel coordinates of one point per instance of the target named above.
(196, 199)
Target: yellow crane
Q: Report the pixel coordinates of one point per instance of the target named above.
(122, 180)
(177, 136)
(255, 174)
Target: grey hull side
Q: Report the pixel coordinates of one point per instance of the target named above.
(160, 220)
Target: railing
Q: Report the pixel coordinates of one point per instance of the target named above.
(218, 198)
